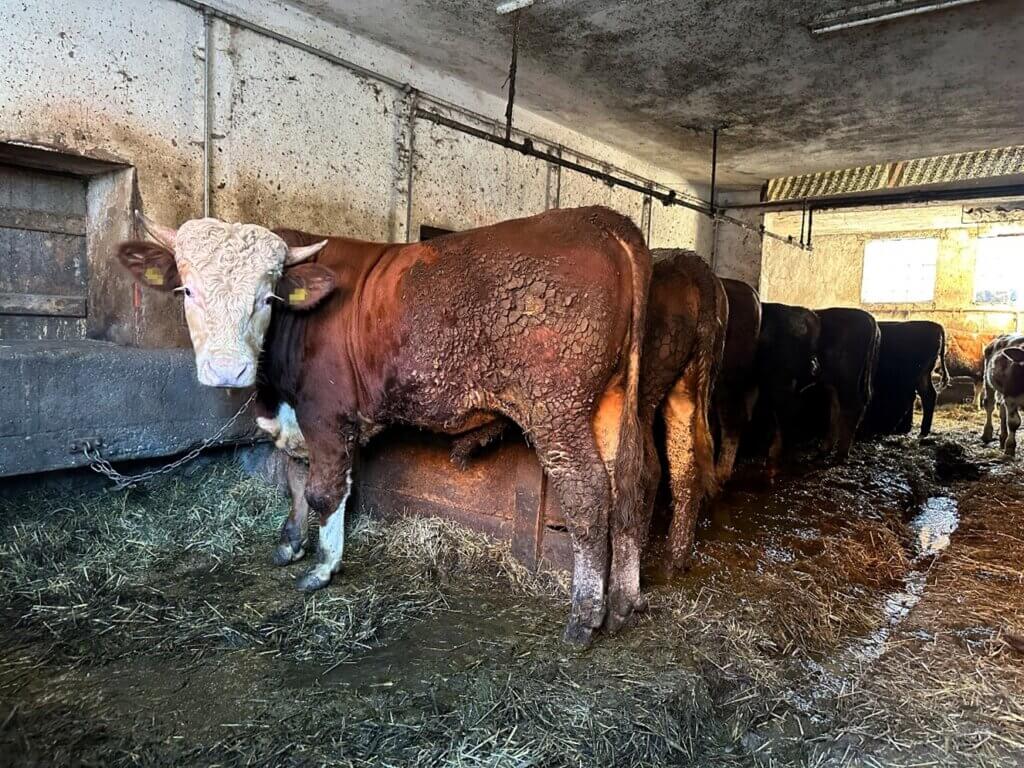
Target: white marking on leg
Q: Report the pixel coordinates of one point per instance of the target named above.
(290, 439)
(332, 538)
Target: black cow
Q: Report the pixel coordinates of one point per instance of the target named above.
(736, 387)
(787, 364)
(909, 353)
(848, 352)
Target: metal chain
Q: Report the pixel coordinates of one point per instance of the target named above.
(105, 468)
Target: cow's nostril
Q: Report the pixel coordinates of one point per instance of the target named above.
(227, 372)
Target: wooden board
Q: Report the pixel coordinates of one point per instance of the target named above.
(43, 260)
(503, 492)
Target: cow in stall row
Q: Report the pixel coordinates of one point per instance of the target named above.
(539, 320)
(1004, 386)
(552, 323)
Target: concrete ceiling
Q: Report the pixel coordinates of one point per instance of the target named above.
(641, 75)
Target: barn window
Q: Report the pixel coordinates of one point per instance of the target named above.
(899, 271)
(999, 271)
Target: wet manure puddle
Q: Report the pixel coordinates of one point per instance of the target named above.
(856, 615)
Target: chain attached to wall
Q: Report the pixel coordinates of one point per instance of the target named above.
(103, 466)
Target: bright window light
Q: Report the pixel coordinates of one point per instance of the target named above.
(899, 271)
(999, 271)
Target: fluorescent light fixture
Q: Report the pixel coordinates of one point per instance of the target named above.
(510, 6)
(879, 11)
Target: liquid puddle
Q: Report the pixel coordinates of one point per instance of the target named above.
(932, 527)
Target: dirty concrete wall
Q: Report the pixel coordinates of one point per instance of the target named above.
(832, 274)
(737, 250)
(297, 140)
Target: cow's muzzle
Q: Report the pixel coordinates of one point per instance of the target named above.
(226, 372)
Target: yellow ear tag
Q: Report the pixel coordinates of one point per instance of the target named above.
(297, 296)
(154, 276)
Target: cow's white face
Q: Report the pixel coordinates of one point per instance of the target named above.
(228, 275)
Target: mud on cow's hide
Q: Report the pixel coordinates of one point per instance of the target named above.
(686, 319)
(683, 347)
(539, 321)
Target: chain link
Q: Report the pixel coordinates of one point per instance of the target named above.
(105, 468)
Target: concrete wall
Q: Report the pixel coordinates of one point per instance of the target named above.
(737, 251)
(831, 275)
(297, 140)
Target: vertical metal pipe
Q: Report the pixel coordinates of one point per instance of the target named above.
(714, 170)
(512, 76)
(207, 109)
(413, 106)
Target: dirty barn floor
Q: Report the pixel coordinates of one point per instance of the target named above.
(865, 615)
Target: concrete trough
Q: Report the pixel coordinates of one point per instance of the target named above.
(132, 403)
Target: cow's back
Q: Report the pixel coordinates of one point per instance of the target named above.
(742, 331)
(849, 346)
(682, 289)
(503, 316)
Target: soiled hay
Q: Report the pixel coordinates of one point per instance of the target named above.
(147, 628)
(442, 550)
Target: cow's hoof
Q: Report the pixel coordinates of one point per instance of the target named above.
(681, 563)
(312, 580)
(578, 634)
(284, 555)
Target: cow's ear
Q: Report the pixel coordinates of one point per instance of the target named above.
(151, 264)
(305, 285)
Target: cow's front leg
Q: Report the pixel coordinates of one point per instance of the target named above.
(988, 401)
(1002, 426)
(1012, 425)
(327, 492)
(294, 538)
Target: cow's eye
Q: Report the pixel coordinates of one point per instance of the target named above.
(187, 291)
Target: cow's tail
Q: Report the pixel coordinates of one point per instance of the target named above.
(712, 322)
(629, 469)
(871, 364)
(943, 371)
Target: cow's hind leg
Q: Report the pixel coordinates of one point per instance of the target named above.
(851, 405)
(629, 528)
(734, 411)
(835, 417)
(681, 425)
(578, 475)
(294, 537)
(929, 396)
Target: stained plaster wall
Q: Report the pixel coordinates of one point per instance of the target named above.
(298, 141)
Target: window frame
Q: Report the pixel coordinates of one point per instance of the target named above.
(1011, 306)
(929, 302)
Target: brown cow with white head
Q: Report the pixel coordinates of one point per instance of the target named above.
(538, 320)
